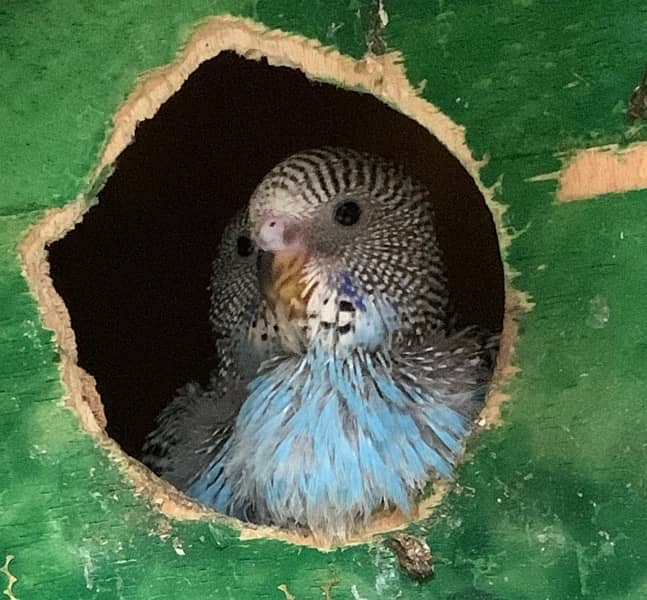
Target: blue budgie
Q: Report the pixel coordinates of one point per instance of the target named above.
(243, 325)
(378, 396)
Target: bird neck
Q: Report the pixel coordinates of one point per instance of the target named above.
(327, 441)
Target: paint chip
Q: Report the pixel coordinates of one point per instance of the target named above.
(177, 546)
(11, 579)
(603, 170)
(284, 589)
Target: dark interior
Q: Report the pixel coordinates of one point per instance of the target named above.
(134, 273)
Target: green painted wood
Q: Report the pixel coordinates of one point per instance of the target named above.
(552, 504)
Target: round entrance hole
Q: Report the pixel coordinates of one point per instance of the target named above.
(134, 274)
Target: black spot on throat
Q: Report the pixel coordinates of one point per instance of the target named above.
(344, 329)
(346, 306)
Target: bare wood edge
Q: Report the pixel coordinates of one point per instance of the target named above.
(383, 77)
(601, 170)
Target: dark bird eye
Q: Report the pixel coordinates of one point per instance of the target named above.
(244, 245)
(348, 213)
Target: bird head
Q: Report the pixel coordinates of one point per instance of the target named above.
(242, 324)
(234, 283)
(351, 250)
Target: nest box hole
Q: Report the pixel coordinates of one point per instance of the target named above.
(134, 273)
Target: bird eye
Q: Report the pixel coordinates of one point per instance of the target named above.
(347, 213)
(244, 245)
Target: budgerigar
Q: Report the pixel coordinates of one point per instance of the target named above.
(189, 427)
(244, 327)
(245, 335)
(382, 397)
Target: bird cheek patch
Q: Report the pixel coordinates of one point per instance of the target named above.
(287, 287)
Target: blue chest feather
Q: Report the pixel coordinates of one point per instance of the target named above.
(324, 441)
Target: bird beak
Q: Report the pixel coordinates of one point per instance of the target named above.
(282, 257)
